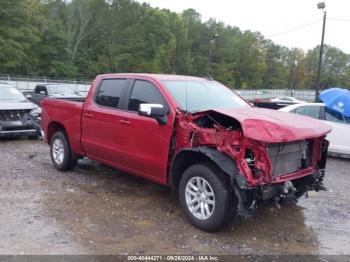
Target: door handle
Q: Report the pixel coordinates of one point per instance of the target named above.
(124, 122)
(88, 115)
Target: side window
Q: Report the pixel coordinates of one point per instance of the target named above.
(333, 116)
(145, 92)
(110, 91)
(40, 90)
(311, 111)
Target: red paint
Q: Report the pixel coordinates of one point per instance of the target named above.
(139, 145)
(274, 126)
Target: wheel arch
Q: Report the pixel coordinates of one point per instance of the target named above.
(53, 128)
(189, 156)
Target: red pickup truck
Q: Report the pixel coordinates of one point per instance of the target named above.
(192, 134)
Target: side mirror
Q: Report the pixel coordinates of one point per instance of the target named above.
(154, 111)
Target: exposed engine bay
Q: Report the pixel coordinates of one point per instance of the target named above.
(278, 171)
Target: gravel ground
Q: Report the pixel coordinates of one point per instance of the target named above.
(98, 210)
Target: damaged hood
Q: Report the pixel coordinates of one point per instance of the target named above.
(273, 126)
(16, 105)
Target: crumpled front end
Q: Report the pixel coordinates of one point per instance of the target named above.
(291, 169)
(15, 123)
(267, 170)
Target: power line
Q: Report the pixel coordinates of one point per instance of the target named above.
(339, 19)
(294, 29)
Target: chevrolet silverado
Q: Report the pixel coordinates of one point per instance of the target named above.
(223, 156)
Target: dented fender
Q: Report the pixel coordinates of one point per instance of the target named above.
(223, 161)
(227, 136)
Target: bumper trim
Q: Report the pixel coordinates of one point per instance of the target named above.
(18, 131)
(294, 175)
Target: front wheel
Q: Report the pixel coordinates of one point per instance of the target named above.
(61, 153)
(206, 197)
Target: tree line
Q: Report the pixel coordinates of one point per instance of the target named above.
(83, 38)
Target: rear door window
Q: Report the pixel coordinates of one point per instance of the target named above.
(333, 116)
(110, 92)
(311, 111)
(145, 92)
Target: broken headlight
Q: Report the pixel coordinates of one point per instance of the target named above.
(36, 112)
(249, 158)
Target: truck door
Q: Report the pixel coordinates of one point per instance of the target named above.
(144, 142)
(101, 135)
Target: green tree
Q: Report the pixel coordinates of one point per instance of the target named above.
(20, 23)
(334, 70)
(83, 38)
(276, 59)
(52, 49)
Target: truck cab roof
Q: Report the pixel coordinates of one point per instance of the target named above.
(160, 77)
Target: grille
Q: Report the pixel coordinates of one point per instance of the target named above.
(289, 157)
(12, 115)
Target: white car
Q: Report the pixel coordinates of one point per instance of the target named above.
(339, 138)
(288, 99)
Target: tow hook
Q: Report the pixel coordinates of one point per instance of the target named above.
(288, 187)
(253, 206)
(287, 194)
(318, 181)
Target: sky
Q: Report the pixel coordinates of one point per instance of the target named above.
(272, 17)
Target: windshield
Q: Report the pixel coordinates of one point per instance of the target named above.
(203, 95)
(59, 89)
(10, 93)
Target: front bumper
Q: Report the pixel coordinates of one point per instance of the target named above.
(291, 184)
(291, 190)
(17, 129)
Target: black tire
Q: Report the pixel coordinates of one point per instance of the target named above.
(69, 161)
(225, 201)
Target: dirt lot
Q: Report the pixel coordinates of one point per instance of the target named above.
(97, 210)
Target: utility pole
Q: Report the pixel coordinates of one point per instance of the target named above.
(322, 6)
(292, 72)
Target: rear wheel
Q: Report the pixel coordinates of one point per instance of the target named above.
(61, 153)
(206, 197)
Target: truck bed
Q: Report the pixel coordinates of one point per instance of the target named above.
(67, 113)
(37, 100)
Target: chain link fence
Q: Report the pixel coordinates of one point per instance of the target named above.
(27, 84)
(306, 95)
